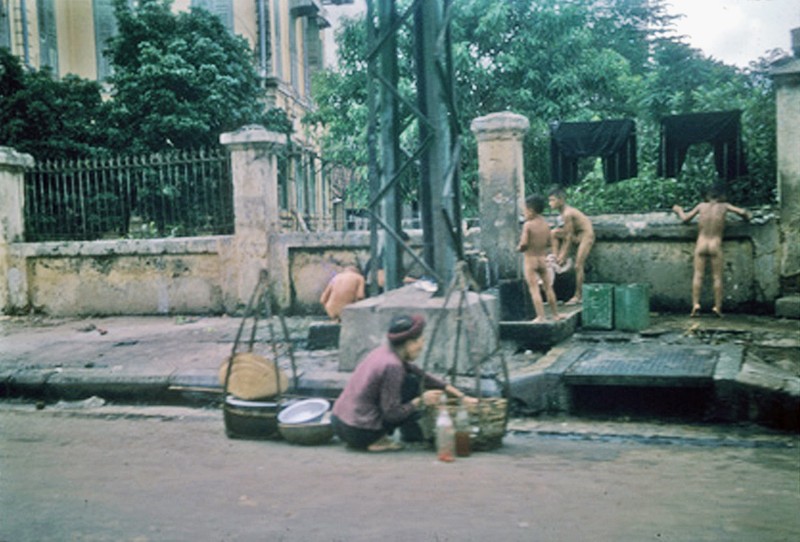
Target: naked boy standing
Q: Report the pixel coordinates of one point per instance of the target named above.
(534, 243)
(577, 230)
(710, 230)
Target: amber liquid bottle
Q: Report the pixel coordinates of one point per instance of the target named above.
(463, 431)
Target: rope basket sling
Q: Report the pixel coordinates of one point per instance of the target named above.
(489, 416)
(255, 387)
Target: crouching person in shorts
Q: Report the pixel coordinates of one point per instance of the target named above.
(383, 392)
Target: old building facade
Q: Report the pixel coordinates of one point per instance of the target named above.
(286, 36)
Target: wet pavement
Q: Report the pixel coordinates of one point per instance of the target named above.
(175, 359)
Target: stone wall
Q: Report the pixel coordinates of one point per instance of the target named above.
(658, 249)
(167, 276)
(158, 276)
(194, 275)
(218, 274)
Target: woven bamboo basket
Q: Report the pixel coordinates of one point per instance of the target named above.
(487, 419)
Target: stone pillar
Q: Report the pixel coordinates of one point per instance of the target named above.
(787, 115)
(13, 290)
(339, 215)
(256, 208)
(502, 188)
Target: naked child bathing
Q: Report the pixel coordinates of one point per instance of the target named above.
(534, 243)
(710, 230)
(577, 230)
(344, 288)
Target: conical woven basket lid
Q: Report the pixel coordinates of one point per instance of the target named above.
(253, 377)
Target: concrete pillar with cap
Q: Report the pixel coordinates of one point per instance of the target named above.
(786, 75)
(502, 187)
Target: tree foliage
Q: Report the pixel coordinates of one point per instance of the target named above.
(49, 118)
(551, 61)
(179, 81)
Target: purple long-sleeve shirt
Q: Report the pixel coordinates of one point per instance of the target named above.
(372, 395)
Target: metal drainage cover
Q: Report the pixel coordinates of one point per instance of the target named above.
(657, 366)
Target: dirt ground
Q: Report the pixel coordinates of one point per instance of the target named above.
(169, 474)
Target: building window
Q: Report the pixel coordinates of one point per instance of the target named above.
(48, 40)
(283, 182)
(221, 8)
(105, 27)
(313, 51)
(294, 57)
(264, 40)
(5, 33)
(277, 47)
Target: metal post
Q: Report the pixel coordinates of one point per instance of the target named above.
(435, 153)
(438, 198)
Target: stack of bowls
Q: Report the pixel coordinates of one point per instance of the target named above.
(306, 422)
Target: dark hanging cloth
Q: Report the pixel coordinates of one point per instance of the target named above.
(612, 140)
(721, 128)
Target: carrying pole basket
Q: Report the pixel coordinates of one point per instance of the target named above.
(257, 419)
(489, 416)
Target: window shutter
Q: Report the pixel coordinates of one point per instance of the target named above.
(278, 46)
(221, 8)
(105, 27)
(48, 40)
(5, 32)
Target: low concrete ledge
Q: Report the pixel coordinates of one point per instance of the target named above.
(768, 395)
(122, 247)
(195, 379)
(323, 335)
(30, 382)
(788, 307)
(540, 336)
(539, 388)
(76, 384)
(80, 384)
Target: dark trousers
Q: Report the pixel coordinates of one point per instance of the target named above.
(409, 428)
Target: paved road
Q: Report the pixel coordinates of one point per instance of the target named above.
(169, 474)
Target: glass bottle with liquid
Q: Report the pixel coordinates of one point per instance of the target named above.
(463, 430)
(445, 433)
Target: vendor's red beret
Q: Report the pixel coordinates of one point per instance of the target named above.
(405, 327)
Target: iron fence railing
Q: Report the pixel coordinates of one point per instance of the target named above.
(173, 194)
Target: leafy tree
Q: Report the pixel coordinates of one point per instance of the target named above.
(179, 80)
(48, 118)
(570, 61)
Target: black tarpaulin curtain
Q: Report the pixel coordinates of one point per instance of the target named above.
(720, 128)
(612, 140)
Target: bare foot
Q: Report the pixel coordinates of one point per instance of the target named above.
(384, 444)
(695, 311)
(717, 311)
(574, 301)
(539, 320)
(557, 317)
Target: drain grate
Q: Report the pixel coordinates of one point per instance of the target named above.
(658, 366)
